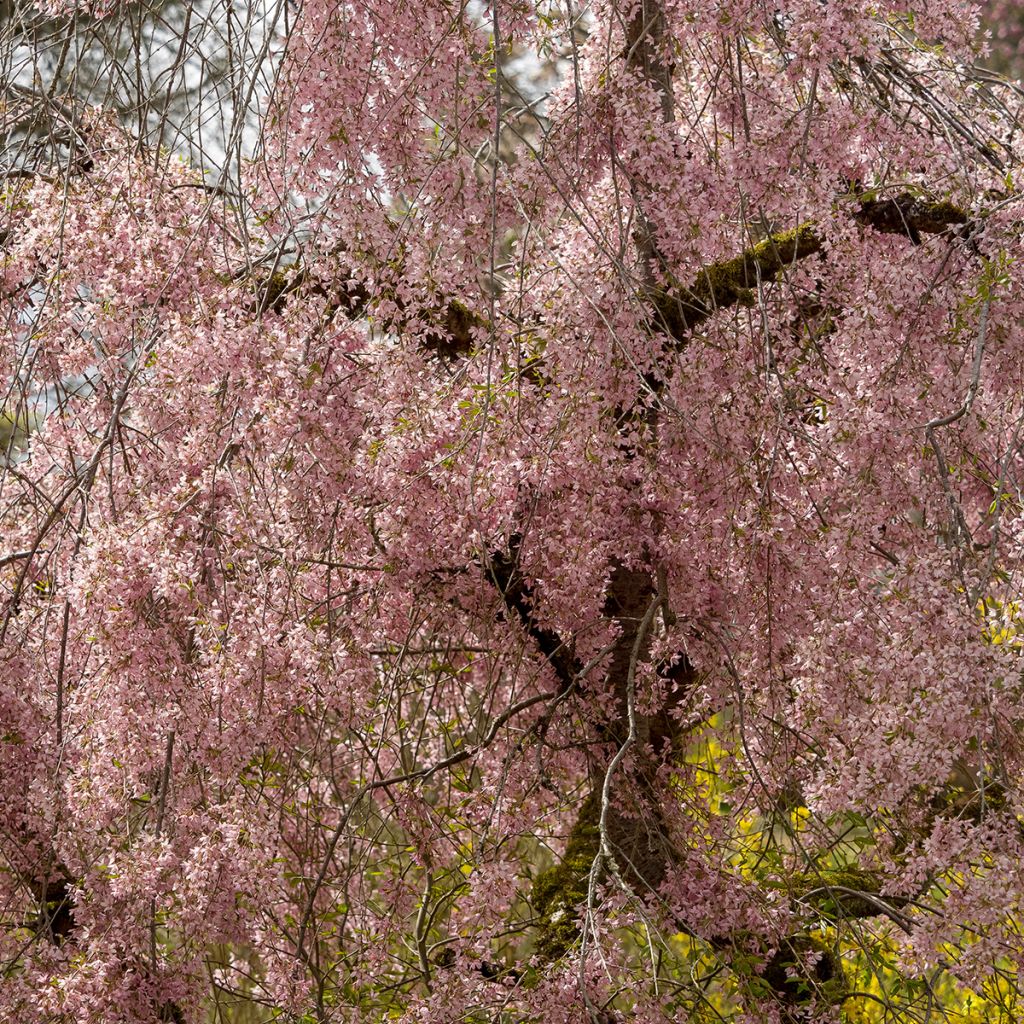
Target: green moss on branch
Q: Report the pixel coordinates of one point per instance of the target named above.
(679, 309)
(839, 894)
(558, 892)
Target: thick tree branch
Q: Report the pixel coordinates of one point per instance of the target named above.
(679, 310)
(450, 324)
(503, 571)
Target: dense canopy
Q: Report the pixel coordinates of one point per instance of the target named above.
(525, 527)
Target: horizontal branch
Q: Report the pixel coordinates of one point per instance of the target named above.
(450, 323)
(841, 893)
(679, 310)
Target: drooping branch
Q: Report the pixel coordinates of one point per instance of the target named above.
(55, 895)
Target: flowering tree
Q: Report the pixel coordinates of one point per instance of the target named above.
(499, 554)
